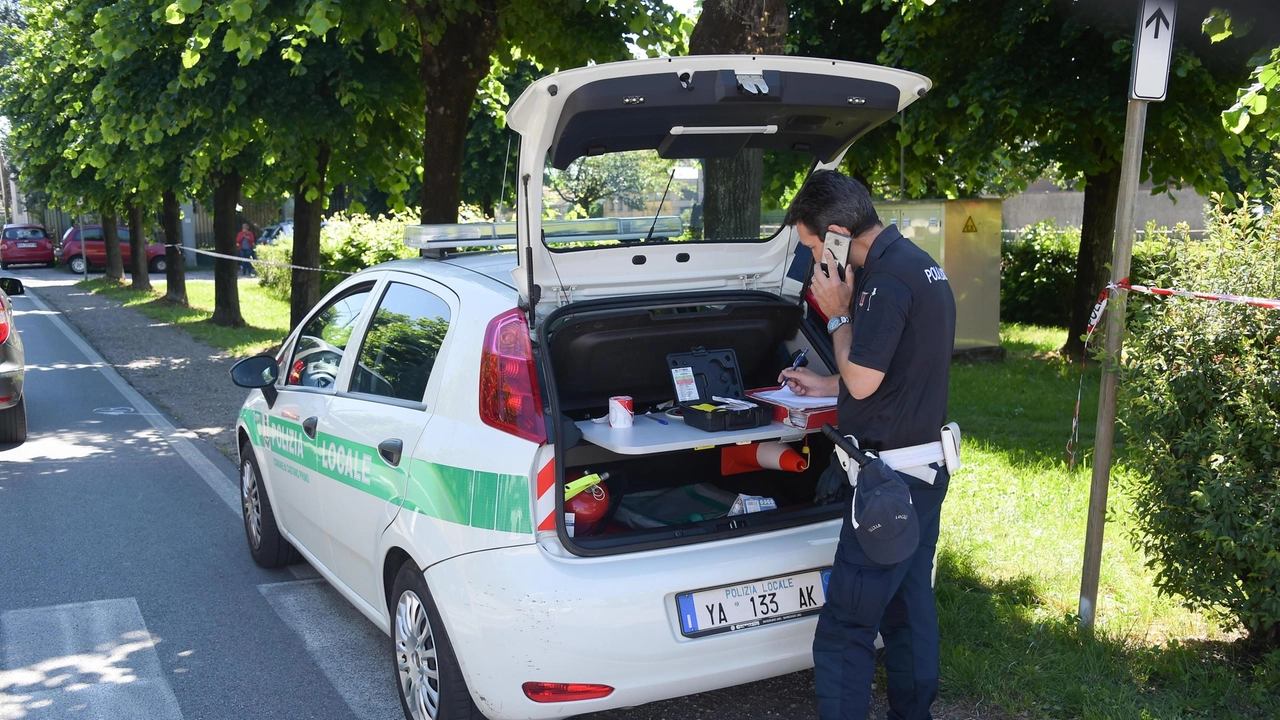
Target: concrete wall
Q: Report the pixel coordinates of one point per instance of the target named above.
(1042, 201)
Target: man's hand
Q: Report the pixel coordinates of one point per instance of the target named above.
(804, 381)
(834, 295)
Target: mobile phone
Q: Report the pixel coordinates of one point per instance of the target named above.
(837, 246)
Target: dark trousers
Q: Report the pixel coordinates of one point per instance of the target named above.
(864, 598)
(245, 267)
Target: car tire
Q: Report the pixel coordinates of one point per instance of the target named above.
(422, 660)
(158, 264)
(76, 264)
(13, 423)
(267, 546)
(4, 266)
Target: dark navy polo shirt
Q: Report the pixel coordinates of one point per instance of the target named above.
(904, 325)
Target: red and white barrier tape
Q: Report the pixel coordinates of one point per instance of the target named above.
(1222, 297)
(256, 261)
(1095, 318)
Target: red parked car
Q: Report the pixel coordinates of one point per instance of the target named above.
(96, 250)
(25, 245)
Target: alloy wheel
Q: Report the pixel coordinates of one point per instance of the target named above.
(416, 660)
(252, 504)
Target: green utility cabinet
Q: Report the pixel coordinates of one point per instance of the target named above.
(964, 237)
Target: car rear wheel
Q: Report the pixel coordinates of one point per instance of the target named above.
(13, 423)
(4, 266)
(428, 678)
(268, 548)
(76, 264)
(159, 265)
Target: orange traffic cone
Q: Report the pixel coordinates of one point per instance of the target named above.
(736, 459)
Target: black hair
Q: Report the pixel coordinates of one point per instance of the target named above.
(832, 198)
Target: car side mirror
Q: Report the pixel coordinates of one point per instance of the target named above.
(11, 286)
(259, 371)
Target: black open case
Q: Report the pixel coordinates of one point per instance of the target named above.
(700, 375)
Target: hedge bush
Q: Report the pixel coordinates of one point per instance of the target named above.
(1038, 271)
(1200, 393)
(347, 242)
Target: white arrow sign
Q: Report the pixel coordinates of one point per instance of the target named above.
(1153, 49)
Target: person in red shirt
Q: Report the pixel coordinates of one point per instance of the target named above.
(245, 242)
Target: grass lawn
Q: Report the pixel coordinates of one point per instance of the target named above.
(1010, 554)
(1009, 568)
(265, 315)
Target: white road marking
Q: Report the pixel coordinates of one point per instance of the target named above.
(88, 660)
(350, 650)
(224, 487)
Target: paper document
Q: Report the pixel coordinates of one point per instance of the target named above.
(792, 401)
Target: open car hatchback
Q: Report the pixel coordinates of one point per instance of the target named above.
(435, 437)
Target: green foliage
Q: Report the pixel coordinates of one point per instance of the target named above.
(1201, 393)
(1037, 271)
(400, 352)
(626, 177)
(348, 243)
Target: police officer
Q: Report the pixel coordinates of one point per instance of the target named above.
(892, 324)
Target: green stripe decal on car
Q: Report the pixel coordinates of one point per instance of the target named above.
(479, 499)
(490, 501)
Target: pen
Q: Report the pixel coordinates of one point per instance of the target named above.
(657, 419)
(796, 365)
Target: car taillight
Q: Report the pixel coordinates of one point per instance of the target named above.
(4, 322)
(509, 397)
(564, 692)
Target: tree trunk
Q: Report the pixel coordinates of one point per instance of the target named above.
(110, 238)
(1097, 236)
(451, 71)
(731, 205)
(4, 189)
(138, 247)
(176, 271)
(305, 284)
(226, 271)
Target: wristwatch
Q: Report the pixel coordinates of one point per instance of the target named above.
(834, 323)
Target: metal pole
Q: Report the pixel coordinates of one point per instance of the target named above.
(1135, 127)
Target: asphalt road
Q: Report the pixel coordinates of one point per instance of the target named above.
(126, 590)
(125, 587)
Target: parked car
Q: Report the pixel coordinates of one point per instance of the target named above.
(95, 248)
(271, 232)
(416, 436)
(13, 405)
(26, 245)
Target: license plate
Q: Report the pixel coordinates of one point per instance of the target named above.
(752, 604)
(26, 245)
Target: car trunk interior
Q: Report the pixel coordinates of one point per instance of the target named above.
(673, 495)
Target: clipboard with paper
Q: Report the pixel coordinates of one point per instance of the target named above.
(799, 411)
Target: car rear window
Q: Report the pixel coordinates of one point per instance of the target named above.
(25, 233)
(627, 194)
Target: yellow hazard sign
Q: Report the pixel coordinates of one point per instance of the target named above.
(969, 225)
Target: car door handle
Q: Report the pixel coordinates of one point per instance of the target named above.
(390, 451)
(309, 426)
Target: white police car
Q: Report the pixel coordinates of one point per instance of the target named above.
(414, 436)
